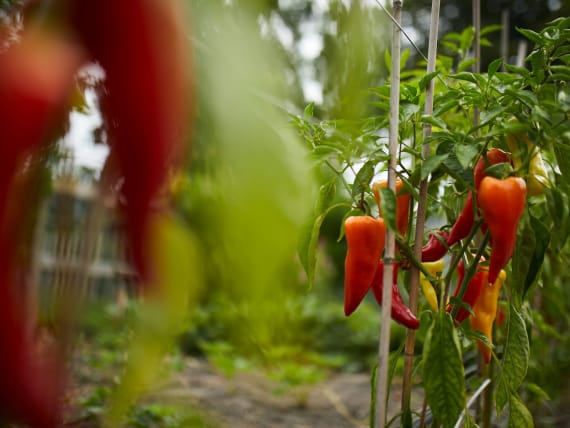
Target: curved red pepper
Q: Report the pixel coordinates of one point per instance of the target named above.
(400, 312)
(472, 292)
(141, 46)
(365, 238)
(502, 203)
(435, 249)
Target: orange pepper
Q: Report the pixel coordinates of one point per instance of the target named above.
(402, 205)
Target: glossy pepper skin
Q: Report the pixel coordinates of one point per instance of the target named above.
(485, 311)
(502, 203)
(464, 222)
(435, 269)
(476, 284)
(399, 311)
(365, 239)
(536, 178)
(402, 204)
(435, 249)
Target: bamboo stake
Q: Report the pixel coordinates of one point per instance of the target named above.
(505, 37)
(477, 48)
(422, 208)
(384, 343)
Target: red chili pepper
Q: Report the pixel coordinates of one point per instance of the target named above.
(472, 292)
(435, 249)
(464, 222)
(141, 46)
(365, 238)
(400, 312)
(502, 203)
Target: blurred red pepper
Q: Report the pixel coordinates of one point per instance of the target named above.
(36, 80)
(142, 47)
(400, 312)
(502, 203)
(365, 238)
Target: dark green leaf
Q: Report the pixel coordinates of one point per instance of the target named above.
(444, 378)
(499, 170)
(424, 82)
(517, 70)
(522, 256)
(446, 106)
(519, 415)
(542, 239)
(533, 36)
(434, 121)
(487, 116)
(558, 207)
(514, 364)
(362, 179)
(562, 153)
(431, 164)
(465, 154)
(388, 204)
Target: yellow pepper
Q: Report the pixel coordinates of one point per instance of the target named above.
(435, 269)
(536, 178)
(485, 311)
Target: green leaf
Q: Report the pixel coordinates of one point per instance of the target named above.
(522, 256)
(494, 66)
(388, 204)
(542, 239)
(499, 170)
(487, 116)
(562, 153)
(434, 121)
(327, 192)
(519, 415)
(424, 82)
(444, 378)
(308, 240)
(533, 36)
(514, 364)
(308, 112)
(431, 164)
(362, 179)
(373, 387)
(557, 204)
(467, 76)
(465, 154)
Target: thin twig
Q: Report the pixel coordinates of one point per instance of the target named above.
(483, 386)
(397, 24)
(384, 343)
(422, 208)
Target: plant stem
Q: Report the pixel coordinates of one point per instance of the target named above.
(384, 343)
(422, 208)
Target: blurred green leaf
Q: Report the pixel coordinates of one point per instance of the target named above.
(388, 205)
(519, 415)
(363, 178)
(542, 240)
(431, 164)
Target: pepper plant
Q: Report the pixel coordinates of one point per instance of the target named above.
(497, 213)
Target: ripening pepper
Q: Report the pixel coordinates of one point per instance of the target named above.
(435, 249)
(435, 269)
(537, 178)
(485, 311)
(399, 311)
(464, 222)
(402, 204)
(502, 203)
(472, 292)
(365, 238)
(142, 47)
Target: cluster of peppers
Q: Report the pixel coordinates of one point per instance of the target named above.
(499, 202)
(141, 46)
(364, 269)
